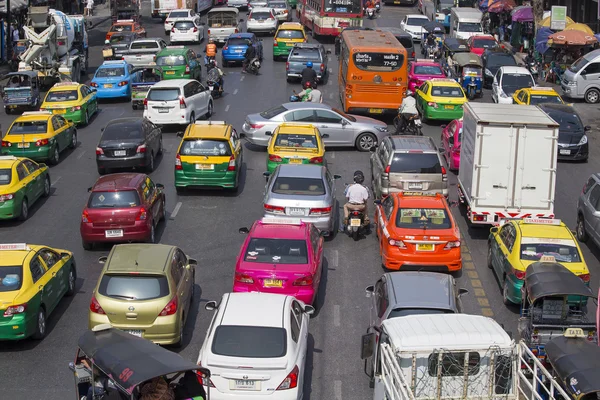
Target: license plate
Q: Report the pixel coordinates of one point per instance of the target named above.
(120, 153)
(113, 233)
(163, 110)
(273, 283)
(355, 222)
(396, 2)
(415, 185)
(107, 85)
(211, 88)
(290, 44)
(425, 247)
(565, 152)
(449, 107)
(170, 72)
(134, 333)
(261, 21)
(239, 51)
(12, 107)
(205, 166)
(295, 161)
(243, 384)
(183, 31)
(376, 110)
(296, 211)
(59, 111)
(23, 145)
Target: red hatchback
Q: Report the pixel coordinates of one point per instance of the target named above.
(480, 43)
(123, 207)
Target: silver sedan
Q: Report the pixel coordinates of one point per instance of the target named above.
(302, 191)
(343, 129)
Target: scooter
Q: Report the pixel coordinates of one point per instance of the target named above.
(253, 66)
(209, 63)
(216, 90)
(371, 12)
(377, 7)
(533, 70)
(431, 52)
(356, 224)
(412, 128)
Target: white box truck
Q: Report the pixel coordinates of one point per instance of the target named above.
(465, 22)
(508, 161)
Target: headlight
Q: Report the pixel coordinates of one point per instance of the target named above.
(488, 72)
(385, 129)
(582, 141)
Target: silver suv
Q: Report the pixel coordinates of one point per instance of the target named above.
(407, 164)
(588, 211)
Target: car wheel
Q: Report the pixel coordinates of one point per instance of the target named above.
(192, 118)
(72, 282)
(365, 141)
(505, 298)
(87, 245)
(160, 147)
(73, 143)
(47, 185)
(210, 110)
(150, 166)
(24, 210)
(489, 256)
(86, 118)
(582, 235)
(592, 96)
(40, 326)
(55, 156)
(151, 237)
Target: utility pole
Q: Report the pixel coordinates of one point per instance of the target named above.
(9, 43)
(538, 12)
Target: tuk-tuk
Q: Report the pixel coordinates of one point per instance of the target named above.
(452, 46)
(554, 300)
(145, 77)
(21, 91)
(467, 69)
(575, 364)
(123, 363)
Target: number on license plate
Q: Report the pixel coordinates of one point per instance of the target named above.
(112, 233)
(376, 110)
(244, 384)
(119, 153)
(415, 185)
(273, 283)
(425, 247)
(295, 161)
(108, 86)
(163, 110)
(170, 72)
(205, 166)
(355, 222)
(565, 152)
(449, 107)
(59, 111)
(296, 211)
(23, 145)
(134, 333)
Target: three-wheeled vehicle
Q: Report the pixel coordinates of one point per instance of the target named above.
(145, 77)
(452, 46)
(554, 300)
(119, 365)
(20, 91)
(467, 69)
(438, 31)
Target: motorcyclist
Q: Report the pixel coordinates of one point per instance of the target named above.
(407, 110)
(309, 74)
(357, 195)
(430, 42)
(249, 55)
(369, 4)
(210, 50)
(218, 74)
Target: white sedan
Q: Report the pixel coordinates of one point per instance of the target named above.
(413, 23)
(256, 346)
(177, 15)
(262, 19)
(189, 31)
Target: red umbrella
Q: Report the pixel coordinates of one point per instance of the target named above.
(571, 38)
(496, 6)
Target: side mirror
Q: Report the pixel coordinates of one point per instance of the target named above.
(72, 366)
(89, 190)
(160, 186)
(378, 202)
(369, 290)
(101, 129)
(102, 259)
(583, 72)
(63, 255)
(373, 149)
(269, 133)
(368, 344)
(192, 261)
(325, 135)
(211, 305)
(587, 128)
(494, 229)
(310, 310)
(462, 291)
(266, 174)
(344, 122)
(244, 230)
(337, 177)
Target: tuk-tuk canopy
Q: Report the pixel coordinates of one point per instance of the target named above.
(464, 59)
(455, 45)
(434, 27)
(114, 351)
(31, 74)
(544, 279)
(576, 361)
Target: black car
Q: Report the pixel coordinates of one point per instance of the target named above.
(572, 138)
(301, 54)
(129, 143)
(492, 60)
(120, 42)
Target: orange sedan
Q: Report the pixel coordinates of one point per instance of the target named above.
(126, 25)
(417, 232)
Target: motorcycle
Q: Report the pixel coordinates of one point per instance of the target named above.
(213, 82)
(253, 66)
(413, 127)
(431, 52)
(377, 7)
(209, 63)
(356, 224)
(370, 12)
(533, 70)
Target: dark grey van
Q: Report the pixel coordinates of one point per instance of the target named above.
(404, 38)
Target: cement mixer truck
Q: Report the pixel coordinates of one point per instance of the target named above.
(57, 45)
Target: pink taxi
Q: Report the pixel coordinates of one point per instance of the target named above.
(451, 136)
(282, 256)
(420, 71)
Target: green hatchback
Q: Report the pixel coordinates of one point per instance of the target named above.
(179, 62)
(209, 155)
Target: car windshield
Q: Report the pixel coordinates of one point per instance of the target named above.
(11, 278)
(563, 250)
(134, 287)
(61, 95)
(249, 341)
(446, 91)
(5, 176)
(427, 70)
(170, 61)
(109, 72)
(237, 42)
(273, 112)
(500, 60)
(469, 27)
(259, 15)
(290, 34)
(578, 64)
(120, 199)
(122, 131)
(144, 45)
(116, 39)
(416, 21)
(403, 312)
(205, 147)
(513, 82)
(429, 218)
(183, 25)
(163, 94)
(28, 127)
(305, 55)
(301, 186)
(568, 122)
(277, 4)
(178, 14)
(121, 28)
(295, 140)
(484, 43)
(536, 99)
(416, 163)
(276, 251)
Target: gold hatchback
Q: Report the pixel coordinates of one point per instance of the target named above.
(146, 290)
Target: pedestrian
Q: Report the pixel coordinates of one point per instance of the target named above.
(15, 35)
(89, 8)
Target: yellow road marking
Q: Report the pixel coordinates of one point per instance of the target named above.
(479, 292)
(483, 302)
(476, 283)
(487, 312)
(472, 274)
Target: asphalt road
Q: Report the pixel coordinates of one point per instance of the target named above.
(205, 223)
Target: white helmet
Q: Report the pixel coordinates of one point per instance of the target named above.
(107, 41)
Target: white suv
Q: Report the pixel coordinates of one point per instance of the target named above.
(262, 19)
(176, 15)
(507, 81)
(177, 102)
(187, 30)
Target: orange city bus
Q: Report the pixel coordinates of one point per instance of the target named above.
(373, 75)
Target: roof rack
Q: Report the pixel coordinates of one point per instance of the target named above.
(281, 221)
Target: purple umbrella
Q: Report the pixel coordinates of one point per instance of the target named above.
(522, 14)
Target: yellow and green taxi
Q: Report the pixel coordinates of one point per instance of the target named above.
(39, 135)
(516, 244)
(537, 95)
(440, 99)
(76, 102)
(288, 34)
(33, 280)
(22, 183)
(295, 144)
(209, 155)
(179, 62)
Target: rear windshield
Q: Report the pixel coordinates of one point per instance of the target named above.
(277, 4)
(302, 186)
(306, 54)
(122, 131)
(170, 61)
(427, 70)
(116, 39)
(238, 42)
(134, 287)
(294, 140)
(120, 199)
(416, 163)
(446, 91)
(536, 99)
(290, 34)
(121, 28)
(496, 60)
(273, 112)
(28, 127)
(563, 250)
(416, 21)
(249, 341)
(108, 72)
(403, 312)
(260, 15)
(5, 176)
(276, 251)
(184, 25)
(11, 278)
(205, 147)
(428, 218)
(166, 94)
(143, 45)
(178, 14)
(62, 95)
(484, 43)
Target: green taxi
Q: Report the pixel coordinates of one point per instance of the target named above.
(74, 101)
(22, 183)
(179, 62)
(440, 99)
(209, 155)
(33, 280)
(288, 34)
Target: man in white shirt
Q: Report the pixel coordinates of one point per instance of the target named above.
(357, 196)
(407, 110)
(315, 96)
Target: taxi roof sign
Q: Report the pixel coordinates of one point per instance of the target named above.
(210, 123)
(574, 333)
(547, 259)
(542, 89)
(37, 113)
(281, 221)
(124, 20)
(65, 83)
(542, 221)
(175, 47)
(14, 246)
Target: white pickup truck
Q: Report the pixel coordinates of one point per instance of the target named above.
(144, 51)
(222, 23)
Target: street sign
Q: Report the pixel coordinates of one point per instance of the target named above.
(558, 18)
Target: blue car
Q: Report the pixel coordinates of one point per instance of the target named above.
(236, 46)
(113, 80)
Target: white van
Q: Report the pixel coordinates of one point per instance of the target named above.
(582, 79)
(465, 22)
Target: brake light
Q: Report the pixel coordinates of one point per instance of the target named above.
(452, 245)
(387, 170)
(479, 218)
(413, 54)
(444, 174)
(93, 84)
(123, 83)
(585, 278)
(274, 158)
(178, 166)
(274, 209)
(99, 151)
(187, 69)
(107, 37)
(231, 166)
(243, 278)
(432, 104)
(95, 306)
(200, 378)
(172, 30)
(12, 310)
(181, 100)
(275, 42)
(518, 274)
(316, 160)
(322, 67)
(6, 143)
(141, 215)
(290, 381)
(225, 47)
(304, 281)
(398, 243)
(141, 149)
(170, 308)
(320, 211)
(145, 104)
(6, 197)
(85, 217)
(287, 65)
(236, 30)
(41, 142)
(195, 29)
(256, 126)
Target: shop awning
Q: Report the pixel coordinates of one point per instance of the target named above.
(15, 5)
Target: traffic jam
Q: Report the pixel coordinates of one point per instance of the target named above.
(295, 199)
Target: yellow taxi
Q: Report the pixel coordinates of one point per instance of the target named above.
(288, 34)
(33, 280)
(22, 183)
(537, 95)
(516, 244)
(440, 99)
(209, 155)
(295, 144)
(40, 136)
(76, 102)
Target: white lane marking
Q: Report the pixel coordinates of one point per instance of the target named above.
(330, 70)
(81, 155)
(227, 108)
(328, 58)
(242, 78)
(176, 210)
(56, 181)
(235, 91)
(331, 95)
(332, 154)
(330, 82)
(337, 390)
(334, 259)
(336, 315)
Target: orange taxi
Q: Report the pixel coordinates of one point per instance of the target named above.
(126, 25)
(417, 232)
